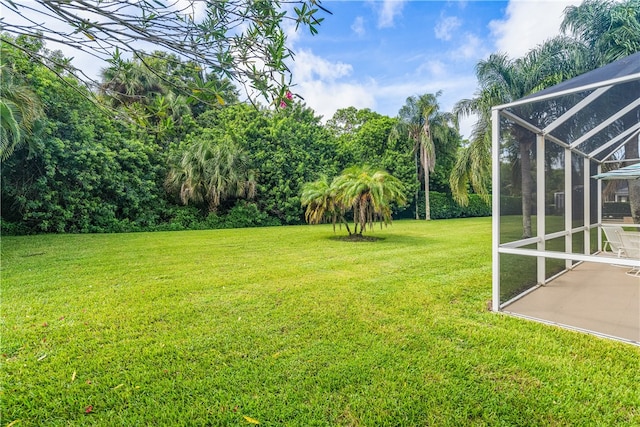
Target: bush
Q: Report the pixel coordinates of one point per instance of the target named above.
(510, 205)
(242, 215)
(13, 228)
(186, 218)
(443, 206)
(477, 207)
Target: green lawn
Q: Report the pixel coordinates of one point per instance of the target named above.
(289, 326)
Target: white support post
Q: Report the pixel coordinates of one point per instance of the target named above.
(495, 208)
(587, 206)
(568, 206)
(540, 208)
(599, 200)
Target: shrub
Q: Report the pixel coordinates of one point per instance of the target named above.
(477, 207)
(443, 206)
(243, 214)
(510, 205)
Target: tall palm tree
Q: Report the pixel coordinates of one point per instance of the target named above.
(610, 30)
(211, 172)
(504, 80)
(20, 108)
(422, 122)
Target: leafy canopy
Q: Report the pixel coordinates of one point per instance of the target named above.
(243, 40)
(362, 190)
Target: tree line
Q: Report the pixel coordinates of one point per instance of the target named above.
(144, 157)
(161, 142)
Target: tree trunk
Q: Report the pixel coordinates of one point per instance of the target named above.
(346, 224)
(417, 162)
(527, 188)
(631, 152)
(427, 207)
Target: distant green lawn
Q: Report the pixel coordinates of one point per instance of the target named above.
(289, 326)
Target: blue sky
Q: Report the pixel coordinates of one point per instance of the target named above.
(374, 54)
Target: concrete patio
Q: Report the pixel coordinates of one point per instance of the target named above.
(595, 298)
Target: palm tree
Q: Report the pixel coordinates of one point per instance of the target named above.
(610, 30)
(319, 198)
(369, 193)
(20, 108)
(422, 122)
(128, 82)
(211, 172)
(504, 80)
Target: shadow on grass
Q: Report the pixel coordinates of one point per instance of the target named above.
(357, 238)
(397, 239)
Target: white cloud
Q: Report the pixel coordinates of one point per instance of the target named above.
(325, 98)
(197, 10)
(434, 68)
(388, 11)
(308, 66)
(445, 27)
(358, 26)
(472, 48)
(327, 86)
(528, 24)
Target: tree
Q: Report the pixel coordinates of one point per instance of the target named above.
(20, 108)
(89, 174)
(422, 122)
(211, 172)
(503, 80)
(366, 192)
(129, 82)
(609, 30)
(349, 120)
(320, 199)
(288, 147)
(243, 40)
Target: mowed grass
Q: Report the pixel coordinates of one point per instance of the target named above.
(289, 326)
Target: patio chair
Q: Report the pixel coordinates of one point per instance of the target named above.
(631, 249)
(612, 235)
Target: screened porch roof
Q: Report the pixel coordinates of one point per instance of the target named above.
(594, 114)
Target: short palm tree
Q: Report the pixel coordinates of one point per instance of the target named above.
(319, 198)
(212, 171)
(369, 194)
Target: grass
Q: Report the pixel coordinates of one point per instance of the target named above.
(289, 326)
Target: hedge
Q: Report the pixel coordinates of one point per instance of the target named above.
(443, 206)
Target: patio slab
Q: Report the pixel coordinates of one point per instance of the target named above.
(596, 298)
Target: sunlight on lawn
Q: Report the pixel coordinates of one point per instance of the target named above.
(289, 326)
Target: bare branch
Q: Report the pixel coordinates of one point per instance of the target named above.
(243, 39)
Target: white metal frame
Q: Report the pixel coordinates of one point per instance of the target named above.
(543, 137)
